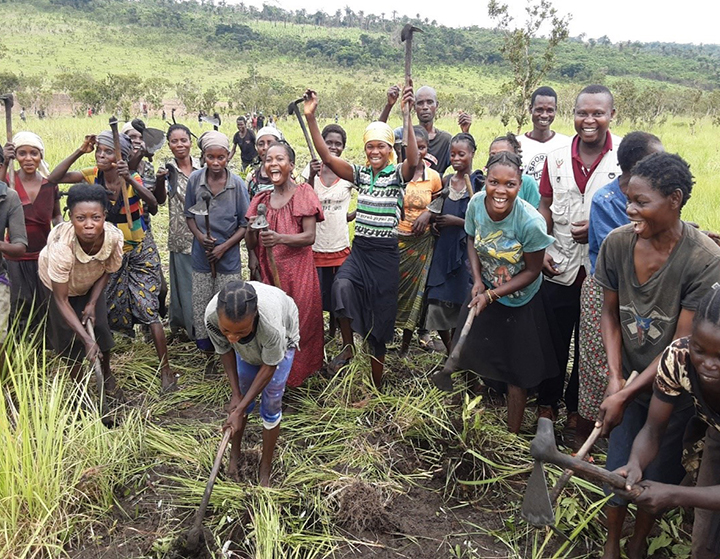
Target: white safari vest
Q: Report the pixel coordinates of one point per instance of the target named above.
(570, 205)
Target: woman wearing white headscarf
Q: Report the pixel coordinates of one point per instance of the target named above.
(41, 206)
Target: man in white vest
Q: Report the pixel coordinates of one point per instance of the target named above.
(541, 140)
(571, 175)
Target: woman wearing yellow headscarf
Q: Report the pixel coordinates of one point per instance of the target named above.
(364, 295)
(41, 206)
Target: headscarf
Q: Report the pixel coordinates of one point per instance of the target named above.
(127, 127)
(380, 131)
(105, 138)
(269, 131)
(213, 138)
(31, 139)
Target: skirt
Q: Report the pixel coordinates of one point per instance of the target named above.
(415, 258)
(593, 366)
(509, 344)
(442, 315)
(63, 339)
(181, 309)
(365, 290)
(28, 301)
(132, 292)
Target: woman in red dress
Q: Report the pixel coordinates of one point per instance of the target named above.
(292, 213)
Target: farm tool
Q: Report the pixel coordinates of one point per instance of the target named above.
(118, 158)
(294, 110)
(7, 100)
(261, 224)
(406, 36)
(443, 379)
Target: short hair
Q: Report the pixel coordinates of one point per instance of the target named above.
(287, 147)
(507, 158)
(181, 127)
(335, 129)
(421, 133)
(511, 139)
(666, 173)
(464, 137)
(596, 89)
(86, 192)
(544, 91)
(241, 119)
(708, 309)
(634, 147)
(237, 300)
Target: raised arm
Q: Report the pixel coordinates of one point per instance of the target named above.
(393, 94)
(412, 156)
(62, 174)
(340, 167)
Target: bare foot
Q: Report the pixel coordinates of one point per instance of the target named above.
(264, 476)
(636, 549)
(168, 381)
(362, 403)
(110, 383)
(233, 471)
(611, 551)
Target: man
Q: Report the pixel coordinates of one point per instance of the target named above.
(571, 175)
(245, 140)
(260, 120)
(541, 140)
(426, 105)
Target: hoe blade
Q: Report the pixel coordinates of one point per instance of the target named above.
(537, 509)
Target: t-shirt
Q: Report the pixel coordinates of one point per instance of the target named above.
(12, 223)
(380, 201)
(535, 152)
(63, 260)
(277, 330)
(332, 234)
(607, 212)
(438, 153)
(528, 191)
(501, 245)
(227, 214)
(246, 144)
(649, 312)
(417, 197)
(677, 376)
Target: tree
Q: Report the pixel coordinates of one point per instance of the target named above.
(529, 67)
(155, 89)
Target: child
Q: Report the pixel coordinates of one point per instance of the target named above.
(75, 266)
(529, 188)
(507, 238)
(365, 289)
(254, 328)
(449, 279)
(654, 272)
(415, 243)
(690, 365)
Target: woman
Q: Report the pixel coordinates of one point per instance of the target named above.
(257, 178)
(41, 207)
(292, 213)
(415, 243)
(75, 266)
(366, 286)
(653, 271)
(132, 291)
(254, 328)
(216, 253)
(509, 341)
(449, 279)
(176, 174)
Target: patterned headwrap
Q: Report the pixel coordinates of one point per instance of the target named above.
(213, 138)
(105, 138)
(33, 140)
(269, 131)
(380, 131)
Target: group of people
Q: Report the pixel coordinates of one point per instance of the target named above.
(557, 245)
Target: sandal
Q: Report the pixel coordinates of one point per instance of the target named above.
(334, 367)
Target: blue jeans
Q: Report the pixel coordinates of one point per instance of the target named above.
(271, 397)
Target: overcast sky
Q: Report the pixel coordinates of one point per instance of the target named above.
(691, 21)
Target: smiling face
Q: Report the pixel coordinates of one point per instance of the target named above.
(378, 154)
(179, 143)
(649, 210)
(592, 117)
(461, 156)
(278, 165)
(502, 187)
(263, 143)
(705, 354)
(104, 157)
(29, 158)
(334, 143)
(135, 138)
(88, 220)
(542, 112)
(241, 126)
(216, 158)
(235, 330)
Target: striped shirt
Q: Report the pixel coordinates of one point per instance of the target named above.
(380, 201)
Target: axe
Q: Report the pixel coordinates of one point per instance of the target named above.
(261, 224)
(118, 158)
(294, 110)
(443, 379)
(406, 36)
(7, 100)
(202, 207)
